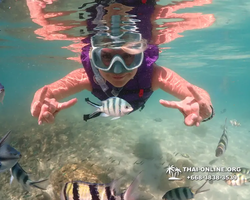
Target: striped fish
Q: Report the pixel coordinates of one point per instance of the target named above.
(183, 193)
(79, 190)
(241, 180)
(2, 92)
(222, 145)
(244, 170)
(8, 155)
(113, 106)
(22, 177)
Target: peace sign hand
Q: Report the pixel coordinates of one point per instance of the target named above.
(45, 109)
(194, 109)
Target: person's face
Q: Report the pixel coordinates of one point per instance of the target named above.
(117, 80)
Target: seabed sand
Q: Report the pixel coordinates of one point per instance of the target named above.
(101, 150)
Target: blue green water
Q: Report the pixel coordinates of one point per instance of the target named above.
(215, 58)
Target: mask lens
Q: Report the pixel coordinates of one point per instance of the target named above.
(107, 57)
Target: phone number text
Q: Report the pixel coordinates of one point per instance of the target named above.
(212, 177)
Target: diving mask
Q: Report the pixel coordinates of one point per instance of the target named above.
(116, 63)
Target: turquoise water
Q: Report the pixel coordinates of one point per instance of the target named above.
(209, 49)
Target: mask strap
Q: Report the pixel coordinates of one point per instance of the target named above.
(99, 79)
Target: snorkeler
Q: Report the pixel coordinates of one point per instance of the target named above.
(127, 71)
(122, 64)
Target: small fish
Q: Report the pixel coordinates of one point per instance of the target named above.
(113, 106)
(222, 145)
(235, 123)
(22, 177)
(241, 180)
(2, 93)
(138, 163)
(245, 170)
(8, 155)
(183, 193)
(223, 111)
(213, 161)
(185, 155)
(94, 191)
(158, 119)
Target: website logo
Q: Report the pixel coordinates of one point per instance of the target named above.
(173, 172)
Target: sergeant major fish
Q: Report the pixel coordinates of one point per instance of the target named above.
(183, 193)
(2, 93)
(234, 122)
(113, 106)
(222, 145)
(244, 170)
(22, 177)
(8, 155)
(79, 190)
(240, 179)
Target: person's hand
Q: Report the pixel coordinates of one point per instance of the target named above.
(194, 109)
(45, 109)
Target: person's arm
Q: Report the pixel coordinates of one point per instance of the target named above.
(195, 102)
(72, 83)
(45, 103)
(172, 83)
